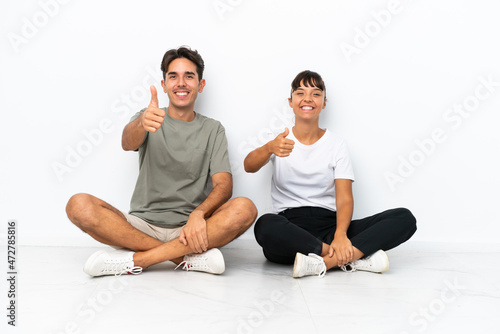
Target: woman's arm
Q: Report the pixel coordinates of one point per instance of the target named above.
(279, 146)
(341, 245)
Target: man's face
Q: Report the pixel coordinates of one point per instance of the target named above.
(182, 84)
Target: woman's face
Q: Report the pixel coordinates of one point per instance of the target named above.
(307, 102)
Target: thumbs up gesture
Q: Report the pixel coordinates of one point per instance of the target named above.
(281, 146)
(153, 116)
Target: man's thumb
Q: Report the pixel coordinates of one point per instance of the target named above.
(285, 133)
(154, 97)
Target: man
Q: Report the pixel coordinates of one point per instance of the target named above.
(180, 209)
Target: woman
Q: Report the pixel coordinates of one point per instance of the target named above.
(312, 196)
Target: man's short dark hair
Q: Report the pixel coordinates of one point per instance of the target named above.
(308, 79)
(183, 52)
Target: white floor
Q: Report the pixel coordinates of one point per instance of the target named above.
(425, 291)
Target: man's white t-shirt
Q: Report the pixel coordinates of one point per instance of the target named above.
(306, 177)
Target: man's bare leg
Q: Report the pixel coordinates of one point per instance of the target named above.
(107, 224)
(226, 224)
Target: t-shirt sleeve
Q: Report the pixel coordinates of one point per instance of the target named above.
(342, 164)
(133, 118)
(137, 114)
(219, 160)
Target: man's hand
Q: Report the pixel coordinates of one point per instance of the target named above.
(153, 116)
(281, 146)
(194, 233)
(343, 249)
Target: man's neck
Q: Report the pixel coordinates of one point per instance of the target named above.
(186, 115)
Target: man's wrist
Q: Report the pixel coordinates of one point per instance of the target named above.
(197, 213)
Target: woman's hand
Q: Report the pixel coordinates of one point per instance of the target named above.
(342, 248)
(281, 146)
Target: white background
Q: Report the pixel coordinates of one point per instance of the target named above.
(74, 70)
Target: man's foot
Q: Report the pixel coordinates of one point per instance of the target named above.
(378, 262)
(311, 264)
(210, 261)
(112, 262)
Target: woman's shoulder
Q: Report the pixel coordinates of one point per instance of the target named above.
(333, 138)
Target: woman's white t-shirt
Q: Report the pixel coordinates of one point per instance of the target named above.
(306, 177)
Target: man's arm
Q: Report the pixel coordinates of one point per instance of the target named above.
(133, 135)
(194, 233)
(341, 245)
(150, 120)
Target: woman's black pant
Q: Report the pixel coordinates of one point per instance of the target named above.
(304, 230)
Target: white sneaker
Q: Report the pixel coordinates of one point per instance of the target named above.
(378, 262)
(210, 261)
(311, 264)
(113, 262)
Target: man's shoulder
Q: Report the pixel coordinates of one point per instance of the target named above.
(208, 120)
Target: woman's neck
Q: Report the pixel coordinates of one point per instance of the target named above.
(307, 133)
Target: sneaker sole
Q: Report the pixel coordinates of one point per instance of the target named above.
(384, 254)
(220, 269)
(388, 263)
(90, 261)
(297, 264)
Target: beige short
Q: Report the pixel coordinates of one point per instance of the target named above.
(161, 233)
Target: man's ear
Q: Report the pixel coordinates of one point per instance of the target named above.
(201, 85)
(163, 86)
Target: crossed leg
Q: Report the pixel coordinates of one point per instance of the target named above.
(281, 239)
(332, 262)
(108, 225)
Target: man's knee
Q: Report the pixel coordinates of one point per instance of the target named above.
(79, 209)
(244, 208)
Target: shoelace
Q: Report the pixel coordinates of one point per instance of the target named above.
(186, 265)
(366, 263)
(199, 262)
(130, 270)
(120, 267)
(313, 266)
(355, 265)
(344, 268)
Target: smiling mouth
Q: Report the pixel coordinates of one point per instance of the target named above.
(306, 108)
(181, 94)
